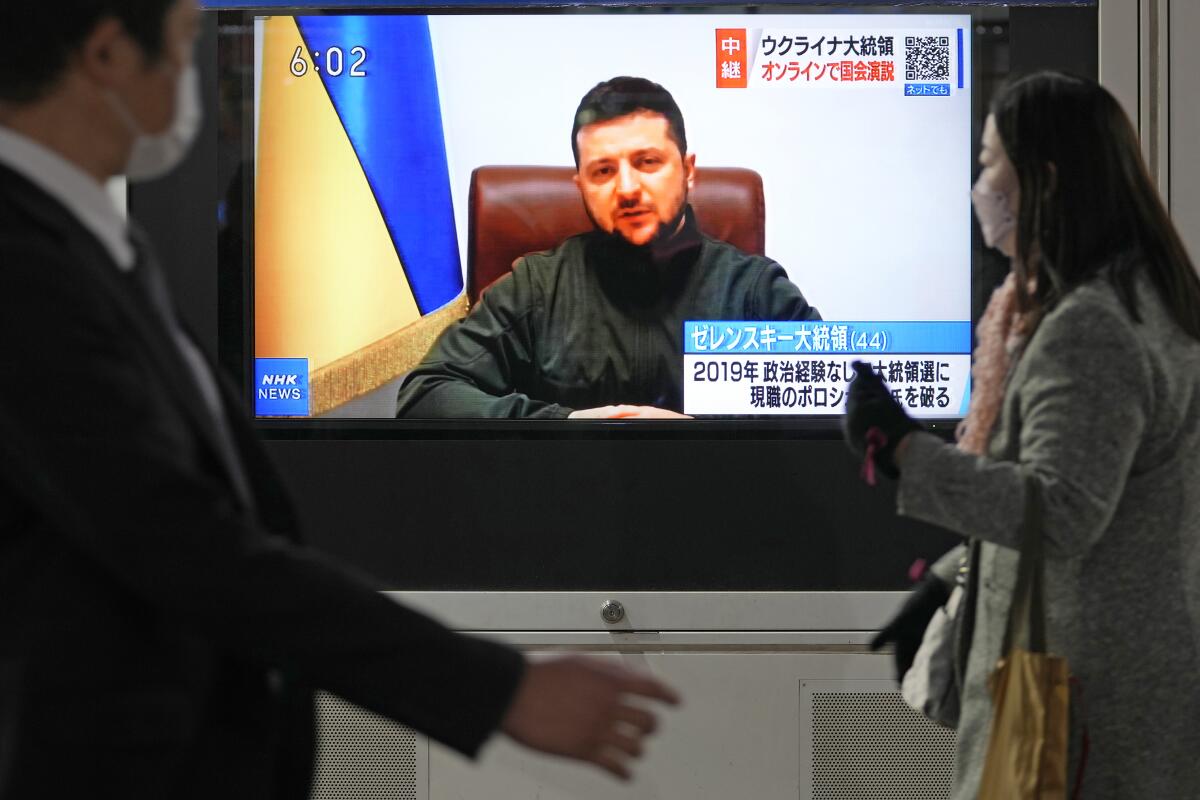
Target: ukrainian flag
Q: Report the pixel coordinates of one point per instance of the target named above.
(356, 263)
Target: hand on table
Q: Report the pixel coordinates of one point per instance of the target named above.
(626, 412)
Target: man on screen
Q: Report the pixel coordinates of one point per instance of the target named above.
(594, 327)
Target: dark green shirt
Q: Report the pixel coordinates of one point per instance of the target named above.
(593, 322)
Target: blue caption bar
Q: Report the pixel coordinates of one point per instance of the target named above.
(714, 337)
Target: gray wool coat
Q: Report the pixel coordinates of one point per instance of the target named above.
(1105, 413)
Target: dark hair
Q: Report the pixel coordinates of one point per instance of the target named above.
(624, 95)
(38, 38)
(1087, 197)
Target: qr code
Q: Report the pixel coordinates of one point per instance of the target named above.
(926, 58)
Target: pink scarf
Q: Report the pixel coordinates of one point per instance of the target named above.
(1001, 336)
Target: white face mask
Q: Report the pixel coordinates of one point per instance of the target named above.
(154, 155)
(991, 208)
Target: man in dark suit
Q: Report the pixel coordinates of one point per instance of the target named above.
(161, 627)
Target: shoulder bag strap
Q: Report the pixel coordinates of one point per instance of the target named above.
(1027, 615)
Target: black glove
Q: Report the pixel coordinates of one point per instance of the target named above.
(875, 423)
(907, 628)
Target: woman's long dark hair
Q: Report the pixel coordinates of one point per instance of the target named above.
(1086, 197)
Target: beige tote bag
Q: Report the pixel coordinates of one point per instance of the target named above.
(1027, 749)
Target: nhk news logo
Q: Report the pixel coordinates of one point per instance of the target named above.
(281, 387)
(733, 65)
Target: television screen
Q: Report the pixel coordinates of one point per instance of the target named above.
(608, 215)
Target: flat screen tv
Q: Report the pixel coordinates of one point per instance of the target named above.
(441, 227)
(346, 143)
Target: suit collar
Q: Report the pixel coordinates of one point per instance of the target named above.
(73, 189)
(93, 263)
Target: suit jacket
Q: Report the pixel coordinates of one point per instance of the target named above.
(1104, 411)
(159, 637)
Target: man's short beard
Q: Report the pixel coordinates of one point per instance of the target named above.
(668, 231)
(665, 231)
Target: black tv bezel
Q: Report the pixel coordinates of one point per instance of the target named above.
(616, 507)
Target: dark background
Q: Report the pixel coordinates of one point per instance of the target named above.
(484, 507)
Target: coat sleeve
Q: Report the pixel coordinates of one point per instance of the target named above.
(124, 479)
(776, 298)
(1083, 408)
(477, 365)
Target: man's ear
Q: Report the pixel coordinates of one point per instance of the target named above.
(575, 177)
(108, 56)
(689, 169)
(1051, 177)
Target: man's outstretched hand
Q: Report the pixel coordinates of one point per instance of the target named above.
(584, 708)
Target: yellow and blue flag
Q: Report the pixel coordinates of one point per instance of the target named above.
(356, 263)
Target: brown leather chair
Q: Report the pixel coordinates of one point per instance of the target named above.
(518, 210)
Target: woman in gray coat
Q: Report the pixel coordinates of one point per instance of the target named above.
(1087, 377)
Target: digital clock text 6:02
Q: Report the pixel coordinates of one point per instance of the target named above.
(334, 64)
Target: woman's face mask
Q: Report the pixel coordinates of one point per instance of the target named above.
(996, 221)
(996, 195)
